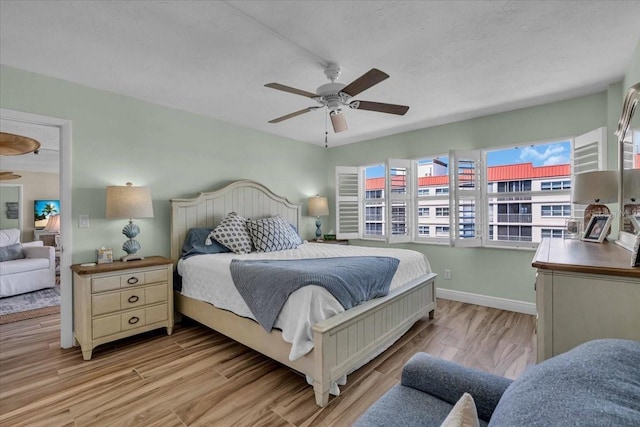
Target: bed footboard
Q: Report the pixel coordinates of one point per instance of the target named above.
(348, 340)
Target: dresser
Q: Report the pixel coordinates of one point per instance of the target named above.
(120, 299)
(584, 291)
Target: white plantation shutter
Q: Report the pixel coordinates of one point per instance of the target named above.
(399, 190)
(589, 153)
(466, 207)
(348, 202)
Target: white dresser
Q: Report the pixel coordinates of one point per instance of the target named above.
(584, 291)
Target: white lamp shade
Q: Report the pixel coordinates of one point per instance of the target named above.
(631, 185)
(129, 202)
(318, 206)
(53, 224)
(595, 187)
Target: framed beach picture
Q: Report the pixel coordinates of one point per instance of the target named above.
(635, 253)
(597, 228)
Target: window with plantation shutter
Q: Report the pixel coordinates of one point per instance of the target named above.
(466, 204)
(348, 195)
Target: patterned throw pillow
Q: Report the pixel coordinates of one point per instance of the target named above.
(273, 234)
(232, 233)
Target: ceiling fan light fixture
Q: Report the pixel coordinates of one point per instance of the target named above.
(338, 121)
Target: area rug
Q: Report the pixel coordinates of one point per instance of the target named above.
(30, 305)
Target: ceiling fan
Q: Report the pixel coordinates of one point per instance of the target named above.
(335, 95)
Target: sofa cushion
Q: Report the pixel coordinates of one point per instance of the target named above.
(9, 236)
(594, 384)
(11, 252)
(463, 414)
(25, 264)
(407, 407)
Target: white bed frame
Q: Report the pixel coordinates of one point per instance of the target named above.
(343, 342)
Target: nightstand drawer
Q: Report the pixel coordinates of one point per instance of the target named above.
(103, 284)
(132, 319)
(157, 293)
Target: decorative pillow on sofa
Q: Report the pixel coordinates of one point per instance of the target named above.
(196, 243)
(273, 234)
(11, 252)
(463, 413)
(232, 233)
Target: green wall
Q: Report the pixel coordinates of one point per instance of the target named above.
(118, 139)
(177, 154)
(502, 273)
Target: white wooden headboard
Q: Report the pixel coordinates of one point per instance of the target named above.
(248, 198)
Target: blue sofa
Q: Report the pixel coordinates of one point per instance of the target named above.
(594, 384)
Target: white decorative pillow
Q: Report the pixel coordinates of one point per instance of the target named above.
(232, 233)
(273, 234)
(463, 413)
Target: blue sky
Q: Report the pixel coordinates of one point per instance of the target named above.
(556, 153)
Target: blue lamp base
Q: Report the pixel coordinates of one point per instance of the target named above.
(318, 231)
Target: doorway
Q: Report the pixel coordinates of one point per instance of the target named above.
(17, 119)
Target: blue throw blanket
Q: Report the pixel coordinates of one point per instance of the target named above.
(265, 285)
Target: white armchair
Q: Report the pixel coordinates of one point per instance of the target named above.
(37, 270)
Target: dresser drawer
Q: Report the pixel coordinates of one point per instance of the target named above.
(156, 293)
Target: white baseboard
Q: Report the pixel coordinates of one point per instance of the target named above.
(487, 301)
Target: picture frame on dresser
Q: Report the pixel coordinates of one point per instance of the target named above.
(635, 253)
(597, 228)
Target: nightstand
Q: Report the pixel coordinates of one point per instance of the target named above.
(120, 299)
(332, 242)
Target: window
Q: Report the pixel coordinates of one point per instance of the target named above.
(556, 210)
(440, 211)
(555, 185)
(442, 231)
(552, 232)
(495, 197)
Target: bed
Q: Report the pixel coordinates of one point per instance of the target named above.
(341, 343)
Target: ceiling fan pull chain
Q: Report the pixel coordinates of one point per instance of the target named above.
(326, 144)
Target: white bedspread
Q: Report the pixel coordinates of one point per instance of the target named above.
(208, 278)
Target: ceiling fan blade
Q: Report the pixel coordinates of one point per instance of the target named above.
(291, 115)
(400, 110)
(339, 122)
(290, 89)
(364, 82)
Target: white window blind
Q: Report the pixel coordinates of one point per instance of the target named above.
(348, 206)
(466, 208)
(589, 154)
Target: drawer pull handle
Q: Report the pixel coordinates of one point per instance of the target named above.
(132, 280)
(134, 320)
(133, 298)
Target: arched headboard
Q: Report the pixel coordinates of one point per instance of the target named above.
(248, 198)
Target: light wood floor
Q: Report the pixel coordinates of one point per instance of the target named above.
(199, 377)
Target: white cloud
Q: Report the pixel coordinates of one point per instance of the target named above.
(553, 154)
(556, 160)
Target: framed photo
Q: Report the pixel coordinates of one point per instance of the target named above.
(635, 253)
(105, 256)
(597, 228)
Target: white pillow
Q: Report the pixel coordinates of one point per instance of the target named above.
(232, 233)
(463, 413)
(273, 234)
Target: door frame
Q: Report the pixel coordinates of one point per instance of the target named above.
(66, 234)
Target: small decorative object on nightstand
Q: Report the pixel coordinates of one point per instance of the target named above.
(117, 300)
(318, 206)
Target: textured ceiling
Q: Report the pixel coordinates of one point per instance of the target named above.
(447, 60)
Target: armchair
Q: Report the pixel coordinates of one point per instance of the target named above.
(35, 270)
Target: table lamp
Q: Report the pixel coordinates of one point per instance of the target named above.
(594, 189)
(129, 202)
(318, 206)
